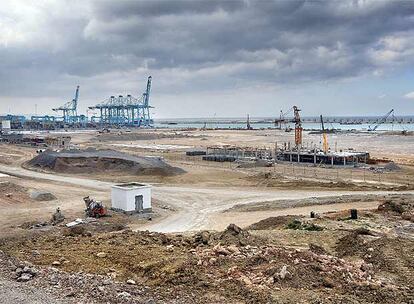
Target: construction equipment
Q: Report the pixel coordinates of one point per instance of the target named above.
(381, 121)
(94, 208)
(325, 137)
(283, 121)
(298, 127)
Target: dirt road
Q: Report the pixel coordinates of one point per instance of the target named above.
(194, 204)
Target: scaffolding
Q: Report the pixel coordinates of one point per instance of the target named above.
(126, 110)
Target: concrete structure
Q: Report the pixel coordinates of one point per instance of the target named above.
(5, 125)
(131, 198)
(342, 158)
(58, 142)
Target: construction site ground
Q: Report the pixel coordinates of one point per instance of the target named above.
(169, 264)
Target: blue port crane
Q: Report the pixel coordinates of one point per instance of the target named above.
(69, 109)
(126, 110)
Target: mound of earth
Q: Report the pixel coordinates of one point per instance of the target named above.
(91, 161)
(273, 222)
(392, 167)
(42, 196)
(400, 206)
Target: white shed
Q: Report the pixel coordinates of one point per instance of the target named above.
(131, 197)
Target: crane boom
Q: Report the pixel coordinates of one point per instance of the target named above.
(147, 92)
(381, 121)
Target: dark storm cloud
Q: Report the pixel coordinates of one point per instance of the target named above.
(206, 33)
(114, 9)
(203, 45)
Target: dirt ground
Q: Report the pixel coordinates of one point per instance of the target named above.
(187, 255)
(329, 259)
(194, 200)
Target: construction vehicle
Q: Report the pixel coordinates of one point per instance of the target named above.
(325, 137)
(298, 127)
(381, 121)
(94, 208)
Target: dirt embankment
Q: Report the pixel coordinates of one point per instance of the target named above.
(275, 180)
(290, 203)
(95, 161)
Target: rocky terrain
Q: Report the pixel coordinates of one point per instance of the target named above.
(362, 262)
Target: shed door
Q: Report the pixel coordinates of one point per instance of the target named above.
(139, 203)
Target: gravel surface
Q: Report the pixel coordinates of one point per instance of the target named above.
(22, 293)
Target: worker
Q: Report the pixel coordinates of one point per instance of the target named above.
(57, 217)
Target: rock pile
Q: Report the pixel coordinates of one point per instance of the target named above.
(25, 274)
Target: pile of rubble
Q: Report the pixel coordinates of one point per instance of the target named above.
(401, 206)
(272, 265)
(134, 267)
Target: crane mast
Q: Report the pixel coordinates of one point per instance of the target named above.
(325, 137)
(298, 127)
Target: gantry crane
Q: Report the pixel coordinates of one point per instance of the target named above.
(381, 121)
(69, 109)
(126, 110)
(298, 127)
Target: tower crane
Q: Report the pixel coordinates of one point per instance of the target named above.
(324, 136)
(381, 121)
(69, 109)
(298, 126)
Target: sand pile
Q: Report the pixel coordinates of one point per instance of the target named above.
(92, 161)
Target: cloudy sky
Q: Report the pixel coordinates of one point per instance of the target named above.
(223, 58)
